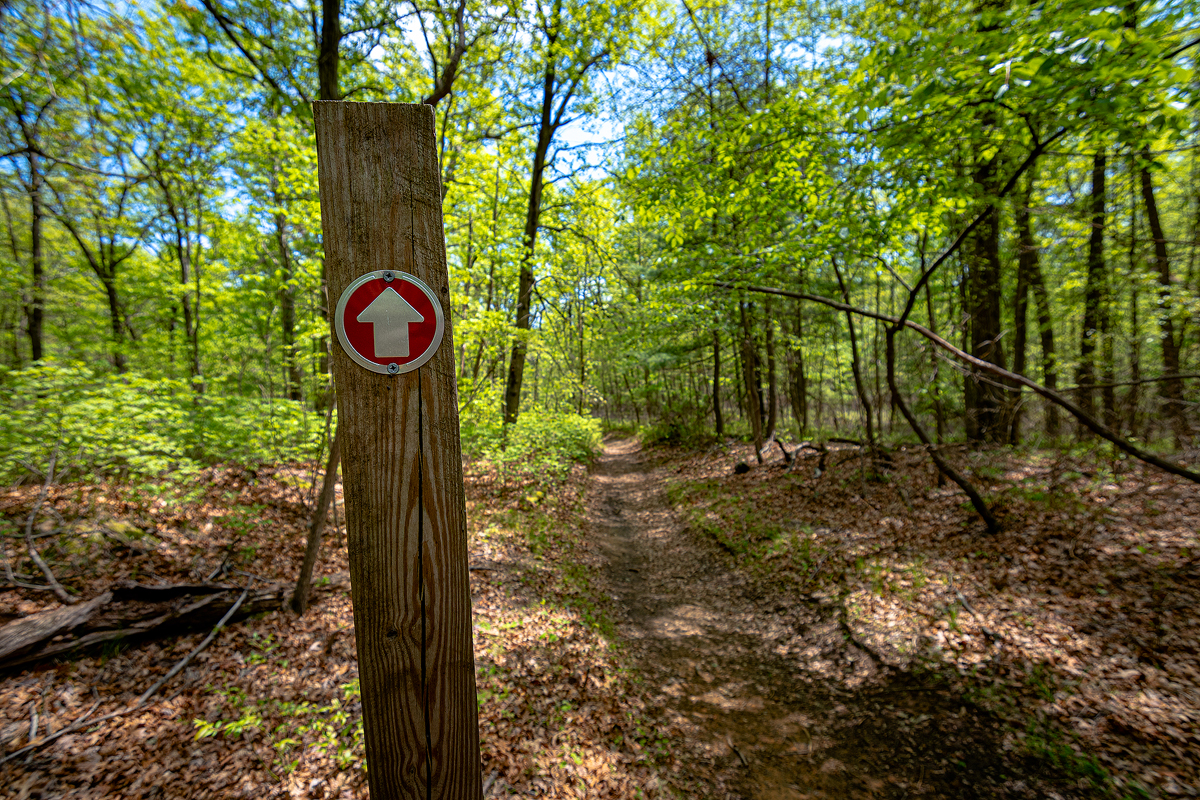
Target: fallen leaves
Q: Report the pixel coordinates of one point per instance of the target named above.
(271, 707)
(1082, 616)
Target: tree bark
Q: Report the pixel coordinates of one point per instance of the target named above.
(718, 419)
(1174, 407)
(986, 402)
(855, 366)
(37, 300)
(316, 528)
(1095, 299)
(797, 381)
(750, 375)
(772, 389)
(327, 50)
(533, 211)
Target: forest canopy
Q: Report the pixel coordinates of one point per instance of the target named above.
(827, 380)
(768, 219)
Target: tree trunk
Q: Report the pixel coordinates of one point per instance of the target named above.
(637, 414)
(855, 366)
(516, 364)
(582, 360)
(37, 300)
(1095, 300)
(287, 311)
(1020, 319)
(327, 49)
(1030, 275)
(719, 420)
(986, 402)
(939, 408)
(797, 381)
(772, 388)
(116, 329)
(1041, 299)
(191, 313)
(753, 399)
(1174, 407)
(943, 466)
(287, 295)
(316, 528)
(1027, 259)
(1133, 398)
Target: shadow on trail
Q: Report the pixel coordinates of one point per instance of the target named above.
(774, 697)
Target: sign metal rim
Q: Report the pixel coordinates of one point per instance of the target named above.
(359, 358)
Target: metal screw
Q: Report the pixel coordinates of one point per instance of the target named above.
(393, 368)
(388, 275)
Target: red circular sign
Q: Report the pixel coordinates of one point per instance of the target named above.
(389, 326)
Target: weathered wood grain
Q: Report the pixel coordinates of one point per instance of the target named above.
(406, 520)
(132, 612)
(22, 635)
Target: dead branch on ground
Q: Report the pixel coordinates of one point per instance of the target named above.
(52, 582)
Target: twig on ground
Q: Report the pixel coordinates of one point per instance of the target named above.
(962, 601)
(487, 784)
(77, 724)
(813, 572)
(54, 585)
(736, 752)
(220, 570)
(70, 728)
(183, 662)
(844, 624)
(867, 503)
(33, 721)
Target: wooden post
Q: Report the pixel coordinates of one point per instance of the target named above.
(381, 210)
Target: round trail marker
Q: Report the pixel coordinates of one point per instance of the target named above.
(389, 322)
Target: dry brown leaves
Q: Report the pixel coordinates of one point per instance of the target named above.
(270, 709)
(1079, 624)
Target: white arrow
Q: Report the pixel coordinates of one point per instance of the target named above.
(391, 315)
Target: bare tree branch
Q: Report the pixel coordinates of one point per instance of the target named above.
(1084, 418)
(55, 586)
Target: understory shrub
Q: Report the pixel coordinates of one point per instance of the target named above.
(133, 425)
(543, 444)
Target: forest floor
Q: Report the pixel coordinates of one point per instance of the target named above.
(842, 628)
(661, 626)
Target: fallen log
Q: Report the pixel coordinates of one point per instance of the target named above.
(20, 636)
(135, 612)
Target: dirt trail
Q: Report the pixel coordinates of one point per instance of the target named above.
(773, 699)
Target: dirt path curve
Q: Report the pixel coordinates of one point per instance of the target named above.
(773, 701)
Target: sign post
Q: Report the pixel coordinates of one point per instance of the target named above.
(385, 262)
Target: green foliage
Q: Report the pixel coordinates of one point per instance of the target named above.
(1052, 746)
(335, 729)
(130, 425)
(675, 431)
(541, 446)
(330, 727)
